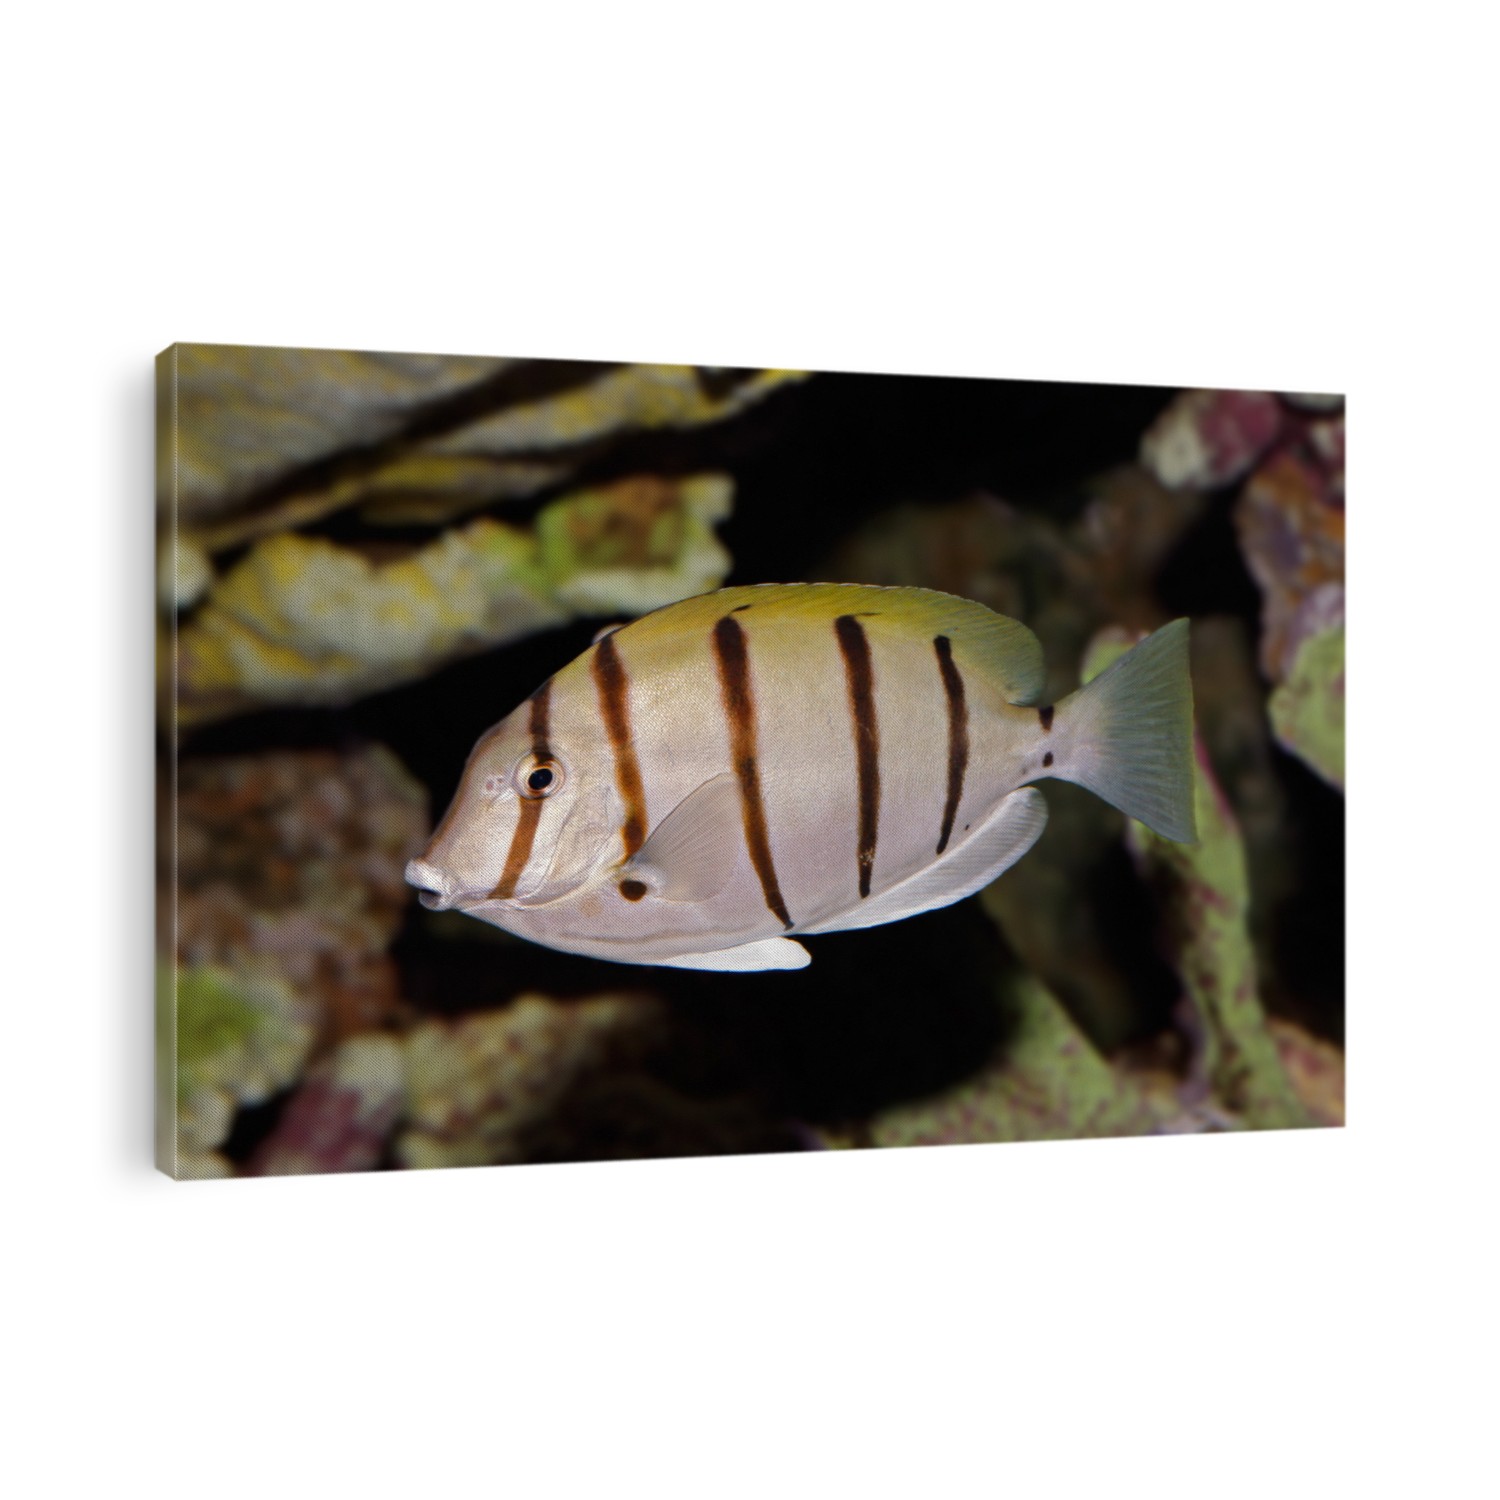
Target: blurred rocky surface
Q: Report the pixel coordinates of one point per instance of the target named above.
(341, 1117)
(476, 1086)
(305, 620)
(1049, 1083)
(226, 1038)
(253, 441)
(243, 417)
(1229, 709)
(1207, 439)
(1307, 709)
(1315, 1068)
(1292, 535)
(1204, 896)
(1289, 515)
(290, 864)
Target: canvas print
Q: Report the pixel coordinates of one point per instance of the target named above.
(565, 760)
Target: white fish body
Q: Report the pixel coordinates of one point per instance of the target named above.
(713, 779)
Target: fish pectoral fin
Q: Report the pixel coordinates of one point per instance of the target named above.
(693, 851)
(991, 849)
(768, 953)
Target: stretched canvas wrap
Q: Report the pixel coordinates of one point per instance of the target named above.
(1025, 823)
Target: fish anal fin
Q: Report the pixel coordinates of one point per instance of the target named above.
(991, 849)
(693, 851)
(768, 953)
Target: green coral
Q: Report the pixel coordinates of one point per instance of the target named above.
(1049, 1084)
(304, 620)
(1205, 892)
(238, 1039)
(1307, 710)
(473, 1087)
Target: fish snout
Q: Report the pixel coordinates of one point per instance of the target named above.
(435, 888)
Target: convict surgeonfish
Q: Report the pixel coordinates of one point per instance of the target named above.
(719, 777)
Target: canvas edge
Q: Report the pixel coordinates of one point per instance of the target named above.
(164, 986)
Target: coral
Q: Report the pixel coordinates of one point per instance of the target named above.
(1290, 519)
(1229, 709)
(304, 620)
(1204, 892)
(239, 418)
(1307, 710)
(239, 1038)
(1207, 439)
(1049, 1084)
(1316, 1069)
(254, 441)
(291, 863)
(474, 1087)
(1292, 535)
(340, 1118)
(1043, 908)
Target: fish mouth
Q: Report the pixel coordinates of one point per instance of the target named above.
(435, 890)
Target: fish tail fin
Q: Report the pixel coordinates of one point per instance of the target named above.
(1128, 734)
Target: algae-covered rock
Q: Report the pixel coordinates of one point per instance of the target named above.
(340, 1118)
(1047, 907)
(303, 620)
(1207, 439)
(1291, 531)
(238, 418)
(1316, 1070)
(1203, 889)
(475, 1086)
(254, 441)
(1047, 1084)
(239, 1038)
(1230, 714)
(1307, 710)
(291, 863)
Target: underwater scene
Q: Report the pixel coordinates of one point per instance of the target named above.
(367, 561)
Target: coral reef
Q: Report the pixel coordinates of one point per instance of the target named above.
(1290, 521)
(290, 864)
(1207, 439)
(254, 441)
(1204, 893)
(367, 545)
(1307, 709)
(342, 1116)
(1049, 1084)
(304, 620)
(228, 1038)
(476, 1086)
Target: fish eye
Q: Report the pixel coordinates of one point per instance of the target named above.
(538, 776)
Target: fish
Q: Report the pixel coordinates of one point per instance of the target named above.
(709, 783)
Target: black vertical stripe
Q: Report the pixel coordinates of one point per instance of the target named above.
(958, 734)
(614, 707)
(856, 648)
(530, 815)
(739, 711)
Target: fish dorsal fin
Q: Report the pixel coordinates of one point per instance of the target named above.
(693, 851)
(1014, 826)
(998, 648)
(768, 953)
